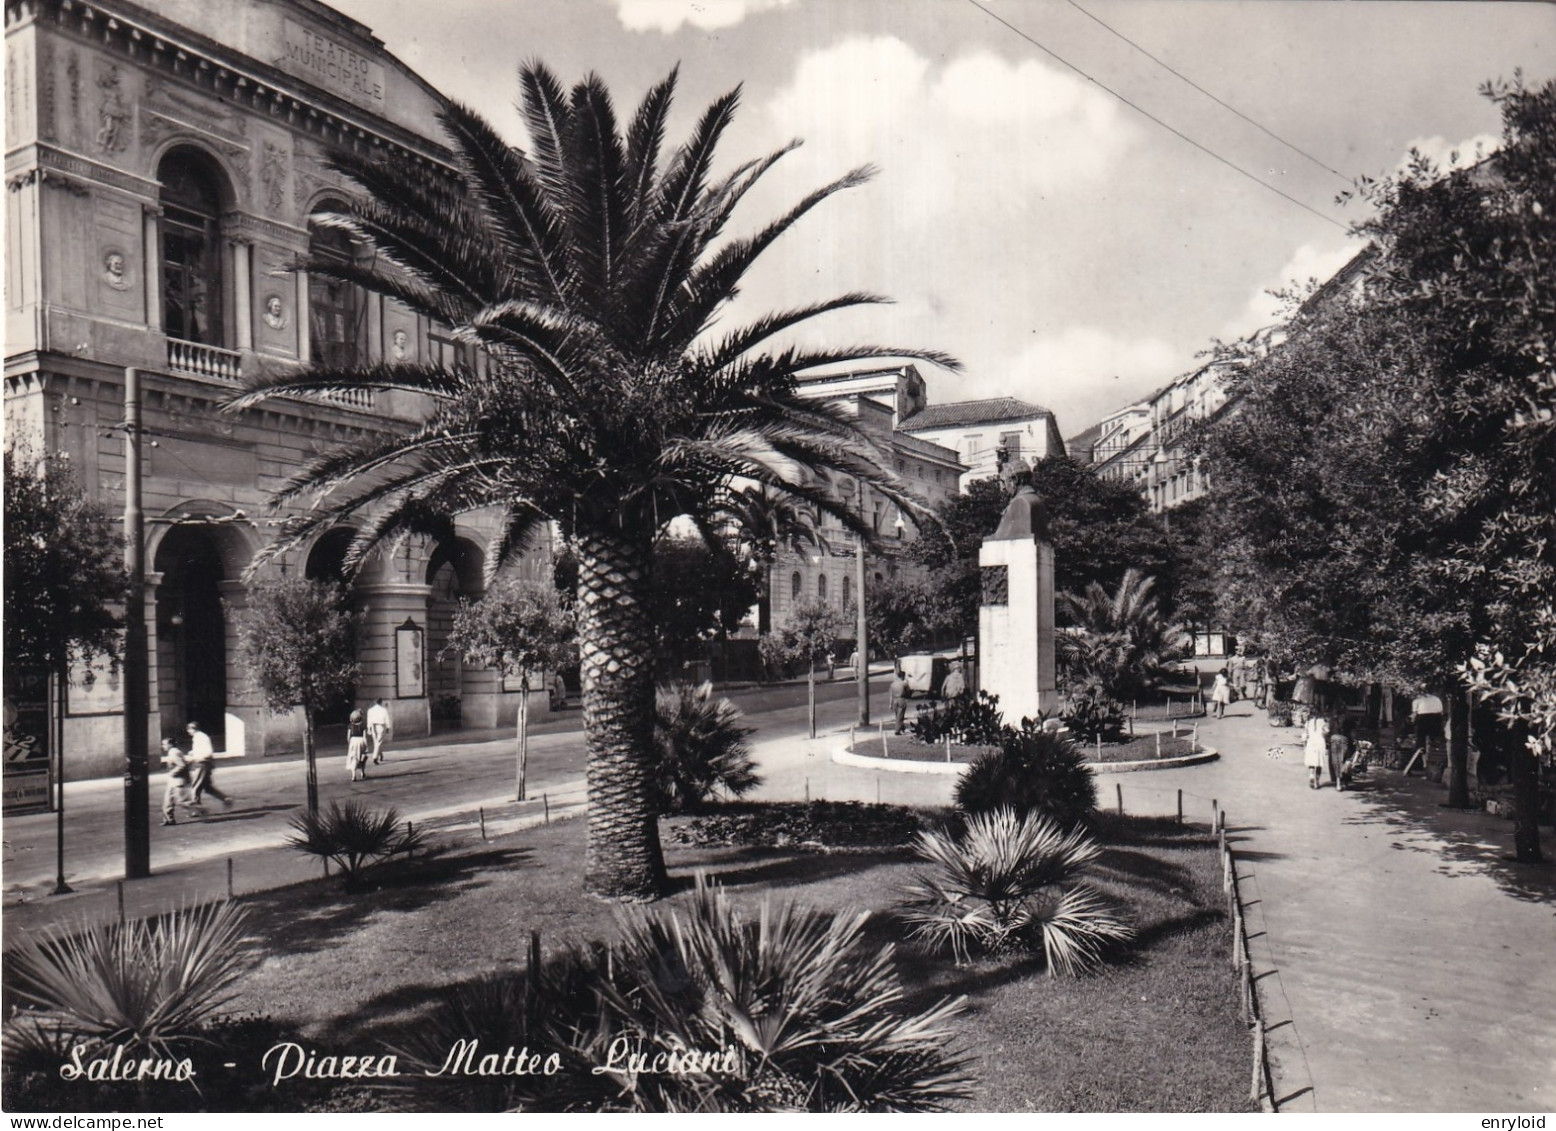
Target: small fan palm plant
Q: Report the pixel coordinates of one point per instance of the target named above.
(142, 985)
(814, 1015)
(354, 836)
(1007, 882)
(704, 749)
(585, 277)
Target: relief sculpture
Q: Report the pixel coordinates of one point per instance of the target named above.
(112, 114)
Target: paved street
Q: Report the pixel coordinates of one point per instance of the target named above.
(443, 780)
(1403, 964)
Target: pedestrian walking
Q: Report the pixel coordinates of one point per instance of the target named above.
(202, 764)
(379, 724)
(1259, 669)
(1220, 694)
(1339, 751)
(899, 698)
(356, 746)
(1315, 751)
(955, 683)
(177, 791)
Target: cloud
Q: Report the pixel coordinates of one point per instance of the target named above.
(667, 16)
(1308, 262)
(977, 133)
(1448, 155)
(1080, 374)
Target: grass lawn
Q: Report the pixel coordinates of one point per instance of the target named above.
(1157, 1032)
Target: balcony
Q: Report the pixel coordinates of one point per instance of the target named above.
(204, 361)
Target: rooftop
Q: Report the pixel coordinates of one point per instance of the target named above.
(959, 413)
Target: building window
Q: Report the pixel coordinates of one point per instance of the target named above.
(337, 311)
(821, 587)
(191, 248)
(796, 584)
(848, 590)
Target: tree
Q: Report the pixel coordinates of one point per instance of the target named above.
(1099, 528)
(907, 613)
(699, 589)
(297, 640)
(63, 568)
(764, 522)
(518, 627)
(586, 275)
(1121, 640)
(1384, 490)
(812, 630)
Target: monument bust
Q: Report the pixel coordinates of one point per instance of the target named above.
(1025, 518)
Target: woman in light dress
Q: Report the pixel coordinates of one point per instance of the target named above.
(1315, 752)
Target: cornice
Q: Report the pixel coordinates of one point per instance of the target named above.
(149, 40)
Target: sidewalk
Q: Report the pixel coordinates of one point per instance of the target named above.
(1406, 966)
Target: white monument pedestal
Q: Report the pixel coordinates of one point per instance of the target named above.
(1016, 618)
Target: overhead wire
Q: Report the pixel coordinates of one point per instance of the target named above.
(1141, 110)
(1218, 101)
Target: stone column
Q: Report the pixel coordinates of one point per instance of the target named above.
(304, 320)
(1016, 618)
(245, 719)
(243, 296)
(151, 256)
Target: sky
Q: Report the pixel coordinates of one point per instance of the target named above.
(1066, 248)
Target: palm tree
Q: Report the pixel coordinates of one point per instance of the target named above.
(1121, 638)
(583, 276)
(764, 522)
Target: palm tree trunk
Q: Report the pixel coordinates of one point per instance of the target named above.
(624, 860)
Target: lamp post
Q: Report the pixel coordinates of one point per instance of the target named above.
(861, 629)
(137, 695)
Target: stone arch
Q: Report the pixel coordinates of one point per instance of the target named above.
(196, 191)
(454, 573)
(199, 562)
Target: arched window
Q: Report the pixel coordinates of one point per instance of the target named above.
(796, 585)
(337, 311)
(191, 251)
(848, 590)
(821, 587)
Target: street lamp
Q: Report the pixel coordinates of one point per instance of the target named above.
(137, 693)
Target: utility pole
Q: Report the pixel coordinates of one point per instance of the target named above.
(862, 668)
(137, 695)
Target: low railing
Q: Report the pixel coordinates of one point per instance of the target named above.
(351, 398)
(203, 360)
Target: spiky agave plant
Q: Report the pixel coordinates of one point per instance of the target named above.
(142, 985)
(354, 836)
(1012, 881)
(702, 747)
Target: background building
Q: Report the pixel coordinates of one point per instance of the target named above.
(162, 163)
(984, 432)
(880, 399)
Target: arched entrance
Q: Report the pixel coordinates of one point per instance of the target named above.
(454, 572)
(192, 627)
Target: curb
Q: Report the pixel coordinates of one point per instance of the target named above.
(845, 757)
(1209, 754)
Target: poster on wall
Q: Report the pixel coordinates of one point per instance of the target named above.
(26, 741)
(96, 688)
(410, 675)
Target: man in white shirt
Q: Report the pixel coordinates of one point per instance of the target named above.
(378, 726)
(202, 761)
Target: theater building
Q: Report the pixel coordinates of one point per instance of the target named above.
(162, 162)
